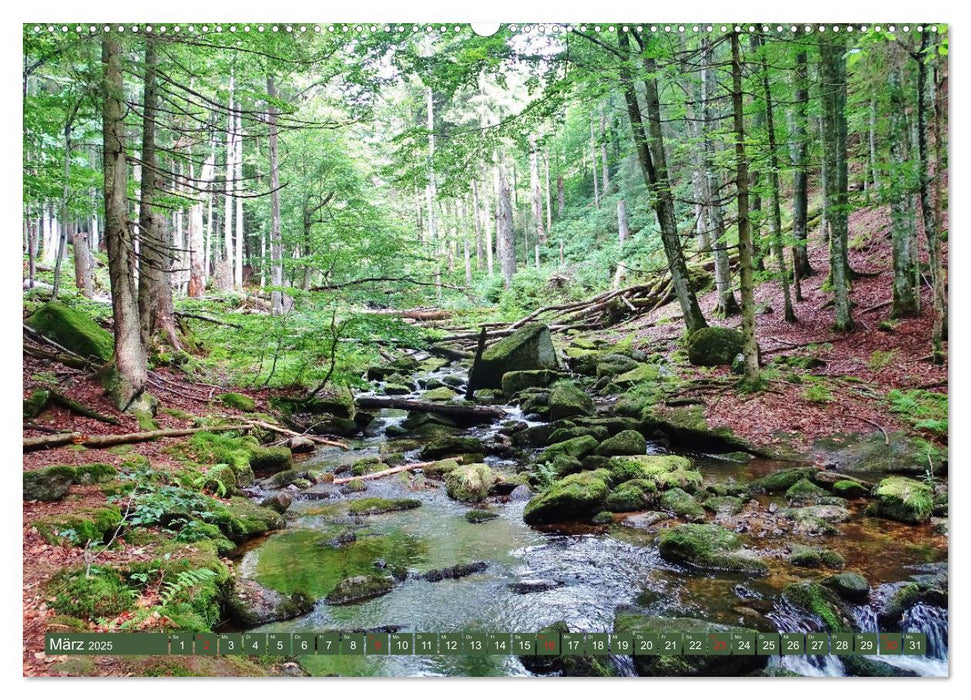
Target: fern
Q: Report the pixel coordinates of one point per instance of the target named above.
(183, 582)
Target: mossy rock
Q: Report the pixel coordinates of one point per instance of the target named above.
(689, 481)
(529, 348)
(240, 402)
(576, 448)
(806, 557)
(393, 389)
(240, 520)
(708, 547)
(867, 667)
(94, 473)
(643, 372)
(902, 599)
(847, 488)
(604, 517)
(626, 467)
(626, 442)
(782, 480)
(849, 586)
(597, 432)
(250, 604)
(480, 516)
(567, 399)
(614, 364)
(35, 404)
(576, 496)
(633, 495)
(832, 559)
(49, 483)
(805, 492)
(102, 594)
(629, 621)
(563, 665)
(442, 393)
(904, 500)
(514, 382)
(713, 346)
(270, 459)
(724, 505)
(450, 446)
(820, 601)
(354, 486)
(74, 330)
(470, 483)
(80, 526)
(439, 469)
(682, 505)
(432, 364)
(564, 465)
(376, 506)
(816, 520)
(358, 588)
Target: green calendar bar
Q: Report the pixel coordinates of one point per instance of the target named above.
(304, 643)
(720, 644)
(402, 644)
(115, 644)
(181, 644)
(207, 644)
(548, 644)
(598, 644)
(353, 644)
(500, 644)
(866, 643)
(817, 644)
(914, 644)
(524, 644)
(254, 644)
(647, 644)
(571, 644)
(476, 643)
(377, 644)
(329, 643)
(793, 644)
(891, 644)
(230, 644)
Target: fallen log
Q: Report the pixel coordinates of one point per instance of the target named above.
(386, 472)
(101, 441)
(447, 353)
(412, 314)
(468, 414)
(293, 433)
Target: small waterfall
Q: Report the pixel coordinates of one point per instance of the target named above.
(790, 619)
(624, 665)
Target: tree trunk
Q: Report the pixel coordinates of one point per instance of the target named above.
(230, 184)
(477, 225)
(62, 239)
(82, 264)
(603, 151)
(745, 251)
(654, 169)
(129, 355)
(798, 148)
(549, 195)
(238, 163)
(560, 196)
(198, 240)
(775, 218)
(280, 303)
(536, 192)
(505, 234)
(932, 222)
(900, 194)
(711, 188)
(593, 163)
(832, 76)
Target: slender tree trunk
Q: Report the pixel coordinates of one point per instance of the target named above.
(775, 218)
(711, 187)
(560, 196)
(82, 264)
(593, 163)
(536, 192)
(745, 248)
(230, 185)
(654, 169)
(431, 192)
(623, 233)
(900, 193)
(603, 151)
(62, 240)
(932, 223)
(33, 234)
(549, 198)
(280, 303)
(238, 246)
(477, 225)
(505, 234)
(129, 355)
(832, 76)
(874, 168)
(798, 149)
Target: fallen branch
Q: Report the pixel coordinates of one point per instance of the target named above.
(474, 414)
(101, 441)
(293, 433)
(886, 437)
(186, 314)
(73, 406)
(387, 472)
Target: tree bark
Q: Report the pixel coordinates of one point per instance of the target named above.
(197, 238)
(745, 252)
(603, 151)
(504, 233)
(798, 149)
(593, 164)
(82, 264)
(238, 246)
(832, 75)
(230, 186)
(900, 193)
(280, 302)
(536, 192)
(129, 355)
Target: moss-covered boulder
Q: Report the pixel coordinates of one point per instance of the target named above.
(450, 446)
(441, 394)
(577, 448)
(528, 348)
(626, 467)
(806, 557)
(633, 495)
(470, 483)
(849, 586)
(514, 382)
(850, 488)
(597, 432)
(643, 372)
(358, 588)
(74, 330)
(440, 468)
(240, 402)
(805, 492)
(376, 506)
(723, 505)
(576, 496)
(567, 399)
(80, 526)
(94, 473)
(709, 347)
(480, 516)
(708, 547)
(103, 593)
(820, 601)
(270, 459)
(240, 520)
(626, 442)
(613, 364)
(48, 484)
(681, 504)
(904, 500)
(630, 621)
(35, 404)
(782, 480)
(250, 604)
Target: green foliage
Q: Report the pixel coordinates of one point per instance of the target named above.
(817, 393)
(184, 584)
(881, 358)
(925, 410)
(102, 594)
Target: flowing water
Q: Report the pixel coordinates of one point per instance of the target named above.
(590, 572)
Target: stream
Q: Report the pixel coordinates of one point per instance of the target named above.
(592, 570)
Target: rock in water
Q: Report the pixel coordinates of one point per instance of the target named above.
(457, 571)
(904, 500)
(469, 482)
(528, 348)
(356, 588)
(576, 496)
(533, 585)
(568, 399)
(278, 502)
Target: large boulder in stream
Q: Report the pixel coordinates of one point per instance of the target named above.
(629, 621)
(74, 330)
(514, 382)
(904, 500)
(357, 588)
(708, 547)
(528, 348)
(470, 483)
(567, 399)
(576, 496)
(250, 604)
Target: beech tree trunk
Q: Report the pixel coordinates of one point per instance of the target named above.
(230, 186)
(900, 194)
(505, 234)
(798, 149)
(280, 303)
(238, 246)
(198, 240)
(536, 192)
(82, 264)
(745, 248)
(129, 356)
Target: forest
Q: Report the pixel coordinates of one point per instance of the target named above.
(402, 328)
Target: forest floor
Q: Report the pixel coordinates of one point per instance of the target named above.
(860, 369)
